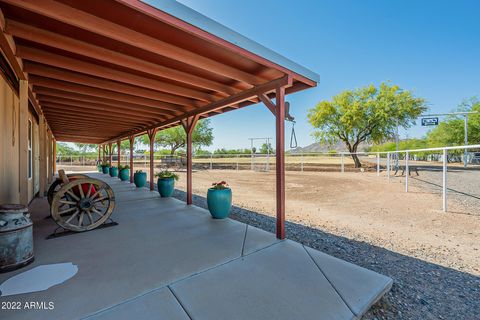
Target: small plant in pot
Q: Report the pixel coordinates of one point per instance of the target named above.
(105, 167)
(124, 172)
(166, 182)
(113, 171)
(219, 200)
(140, 178)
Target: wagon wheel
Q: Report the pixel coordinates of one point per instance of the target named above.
(82, 204)
(55, 186)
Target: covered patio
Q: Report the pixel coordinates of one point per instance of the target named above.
(168, 260)
(106, 71)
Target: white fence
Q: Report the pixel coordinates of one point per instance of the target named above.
(404, 160)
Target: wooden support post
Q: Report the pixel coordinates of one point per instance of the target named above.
(131, 139)
(280, 160)
(118, 153)
(50, 153)
(54, 156)
(151, 136)
(99, 153)
(110, 154)
(278, 110)
(104, 153)
(189, 125)
(23, 142)
(42, 132)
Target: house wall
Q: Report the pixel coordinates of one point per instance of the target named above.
(9, 144)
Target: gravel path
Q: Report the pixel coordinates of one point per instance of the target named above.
(421, 290)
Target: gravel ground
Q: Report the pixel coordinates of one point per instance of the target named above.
(421, 290)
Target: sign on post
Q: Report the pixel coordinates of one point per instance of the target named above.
(430, 121)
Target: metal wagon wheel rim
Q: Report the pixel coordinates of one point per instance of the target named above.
(81, 210)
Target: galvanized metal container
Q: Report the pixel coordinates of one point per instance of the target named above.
(16, 237)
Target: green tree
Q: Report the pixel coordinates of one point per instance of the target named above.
(266, 148)
(451, 131)
(175, 138)
(368, 114)
(64, 149)
(84, 147)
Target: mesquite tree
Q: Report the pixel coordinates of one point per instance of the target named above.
(368, 114)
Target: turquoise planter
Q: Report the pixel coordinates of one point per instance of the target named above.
(105, 170)
(140, 179)
(124, 174)
(219, 202)
(113, 172)
(99, 168)
(165, 187)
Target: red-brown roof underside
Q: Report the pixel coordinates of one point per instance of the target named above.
(102, 70)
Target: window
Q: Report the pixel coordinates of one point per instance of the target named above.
(30, 153)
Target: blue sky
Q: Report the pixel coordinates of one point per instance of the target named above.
(429, 47)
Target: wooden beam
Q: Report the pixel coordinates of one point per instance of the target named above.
(72, 96)
(151, 138)
(96, 118)
(177, 92)
(267, 102)
(94, 108)
(131, 140)
(118, 86)
(110, 154)
(280, 161)
(83, 20)
(56, 40)
(189, 125)
(232, 100)
(9, 50)
(169, 109)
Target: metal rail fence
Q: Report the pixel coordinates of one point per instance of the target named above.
(389, 162)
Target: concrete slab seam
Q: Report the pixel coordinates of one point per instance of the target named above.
(330, 282)
(180, 302)
(244, 239)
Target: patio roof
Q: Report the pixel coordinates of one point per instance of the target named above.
(106, 70)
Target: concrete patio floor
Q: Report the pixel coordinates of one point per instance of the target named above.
(167, 260)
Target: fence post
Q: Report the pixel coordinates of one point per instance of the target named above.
(343, 162)
(301, 159)
(444, 180)
(211, 160)
(388, 166)
(83, 161)
(407, 173)
(237, 161)
(378, 164)
(144, 160)
(71, 161)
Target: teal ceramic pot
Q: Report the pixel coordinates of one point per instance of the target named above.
(113, 172)
(99, 168)
(140, 179)
(219, 202)
(105, 169)
(165, 187)
(124, 174)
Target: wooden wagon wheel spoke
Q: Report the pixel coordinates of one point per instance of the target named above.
(98, 192)
(89, 215)
(80, 219)
(89, 190)
(70, 193)
(97, 212)
(66, 210)
(72, 216)
(100, 199)
(68, 202)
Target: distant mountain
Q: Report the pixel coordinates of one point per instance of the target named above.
(321, 147)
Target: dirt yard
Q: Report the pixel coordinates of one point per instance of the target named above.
(363, 207)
